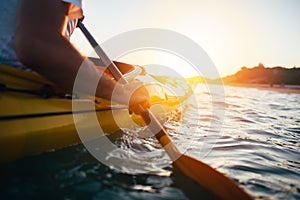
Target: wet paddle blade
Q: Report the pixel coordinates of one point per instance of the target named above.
(209, 178)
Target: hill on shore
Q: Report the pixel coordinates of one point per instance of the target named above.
(265, 75)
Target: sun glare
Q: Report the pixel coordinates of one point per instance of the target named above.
(160, 62)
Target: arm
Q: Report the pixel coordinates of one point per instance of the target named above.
(41, 45)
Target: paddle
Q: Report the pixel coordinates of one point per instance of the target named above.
(209, 178)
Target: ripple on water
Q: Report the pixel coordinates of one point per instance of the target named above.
(294, 130)
(257, 146)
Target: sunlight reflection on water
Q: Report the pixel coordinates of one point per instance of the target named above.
(258, 147)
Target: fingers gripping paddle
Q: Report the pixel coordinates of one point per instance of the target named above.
(203, 174)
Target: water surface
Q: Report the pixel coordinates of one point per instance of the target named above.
(256, 143)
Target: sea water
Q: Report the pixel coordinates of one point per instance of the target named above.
(248, 134)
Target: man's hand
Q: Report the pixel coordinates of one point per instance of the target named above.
(134, 94)
(139, 100)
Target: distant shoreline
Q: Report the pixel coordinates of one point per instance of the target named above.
(290, 89)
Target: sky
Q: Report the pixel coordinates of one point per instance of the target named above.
(233, 33)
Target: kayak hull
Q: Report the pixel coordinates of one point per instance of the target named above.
(31, 124)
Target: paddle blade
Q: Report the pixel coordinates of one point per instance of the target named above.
(209, 178)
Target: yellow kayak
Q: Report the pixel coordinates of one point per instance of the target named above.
(36, 117)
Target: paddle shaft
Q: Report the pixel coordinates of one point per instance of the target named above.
(102, 55)
(194, 169)
(148, 116)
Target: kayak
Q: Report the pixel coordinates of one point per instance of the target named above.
(36, 116)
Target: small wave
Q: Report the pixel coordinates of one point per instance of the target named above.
(243, 119)
(294, 130)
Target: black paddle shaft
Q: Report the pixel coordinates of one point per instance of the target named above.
(102, 55)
